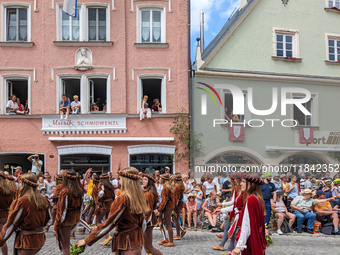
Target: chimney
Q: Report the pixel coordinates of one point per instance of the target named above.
(202, 31)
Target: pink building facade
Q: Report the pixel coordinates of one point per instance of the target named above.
(112, 54)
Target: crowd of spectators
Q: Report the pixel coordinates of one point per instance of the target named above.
(14, 106)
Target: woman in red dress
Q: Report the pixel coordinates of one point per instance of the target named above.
(251, 237)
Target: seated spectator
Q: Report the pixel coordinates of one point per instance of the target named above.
(64, 107)
(280, 212)
(336, 191)
(99, 104)
(191, 206)
(226, 114)
(212, 210)
(22, 110)
(199, 199)
(233, 117)
(156, 107)
(327, 188)
(105, 106)
(277, 182)
(302, 208)
(325, 209)
(12, 105)
(94, 108)
(308, 182)
(75, 105)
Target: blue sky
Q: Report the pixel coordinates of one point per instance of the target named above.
(216, 13)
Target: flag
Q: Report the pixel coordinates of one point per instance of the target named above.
(236, 133)
(306, 135)
(70, 7)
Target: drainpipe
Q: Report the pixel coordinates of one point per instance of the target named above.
(190, 79)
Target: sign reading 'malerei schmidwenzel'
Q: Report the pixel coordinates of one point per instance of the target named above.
(83, 123)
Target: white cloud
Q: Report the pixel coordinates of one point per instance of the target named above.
(223, 7)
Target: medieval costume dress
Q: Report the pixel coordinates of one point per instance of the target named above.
(68, 216)
(251, 238)
(179, 205)
(54, 199)
(151, 220)
(104, 199)
(28, 222)
(165, 209)
(128, 238)
(5, 203)
(235, 217)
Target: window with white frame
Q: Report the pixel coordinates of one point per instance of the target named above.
(98, 95)
(228, 108)
(334, 3)
(16, 24)
(18, 86)
(334, 49)
(70, 26)
(300, 117)
(97, 24)
(285, 45)
(151, 25)
(90, 24)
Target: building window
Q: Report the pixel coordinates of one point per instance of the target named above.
(70, 27)
(150, 162)
(97, 24)
(98, 94)
(300, 117)
(153, 89)
(334, 3)
(91, 24)
(151, 25)
(18, 87)
(285, 45)
(17, 25)
(334, 49)
(228, 108)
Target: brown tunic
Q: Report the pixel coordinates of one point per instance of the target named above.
(167, 202)
(5, 203)
(178, 196)
(68, 211)
(94, 194)
(106, 200)
(24, 214)
(121, 218)
(150, 199)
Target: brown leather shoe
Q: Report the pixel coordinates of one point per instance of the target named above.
(177, 238)
(169, 244)
(183, 233)
(217, 247)
(220, 236)
(164, 241)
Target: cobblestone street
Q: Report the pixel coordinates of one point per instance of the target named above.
(200, 243)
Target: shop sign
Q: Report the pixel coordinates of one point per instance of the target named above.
(83, 123)
(328, 139)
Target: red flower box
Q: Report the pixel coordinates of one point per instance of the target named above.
(291, 58)
(335, 8)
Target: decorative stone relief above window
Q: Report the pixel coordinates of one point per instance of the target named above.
(83, 59)
(285, 2)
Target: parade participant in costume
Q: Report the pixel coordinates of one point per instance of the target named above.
(127, 215)
(106, 196)
(6, 199)
(251, 237)
(166, 207)
(179, 204)
(151, 196)
(27, 216)
(94, 196)
(68, 209)
(55, 198)
(228, 207)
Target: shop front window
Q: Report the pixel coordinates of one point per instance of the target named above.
(152, 162)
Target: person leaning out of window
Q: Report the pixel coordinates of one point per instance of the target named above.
(156, 107)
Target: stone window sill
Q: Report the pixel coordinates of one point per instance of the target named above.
(287, 59)
(83, 44)
(151, 45)
(333, 9)
(328, 62)
(16, 44)
(303, 126)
